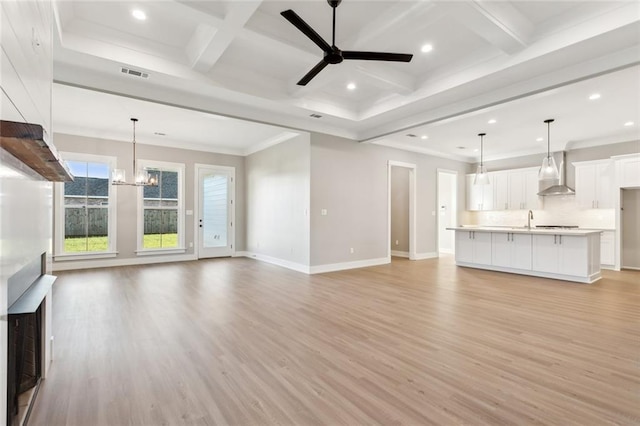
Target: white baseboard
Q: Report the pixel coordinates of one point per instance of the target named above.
(422, 256)
(446, 251)
(400, 253)
(332, 267)
(635, 268)
(107, 263)
(276, 261)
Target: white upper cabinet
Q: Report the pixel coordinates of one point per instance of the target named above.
(501, 190)
(594, 184)
(523, 189)
(479, 197)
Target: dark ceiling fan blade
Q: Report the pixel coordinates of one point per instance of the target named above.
(314, 71)
(377, 56)
(297, 21)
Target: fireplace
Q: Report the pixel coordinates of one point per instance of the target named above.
(27, 290)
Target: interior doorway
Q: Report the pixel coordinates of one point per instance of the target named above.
(401, 210)
(215, 210)
(447, 196)
(630, 218)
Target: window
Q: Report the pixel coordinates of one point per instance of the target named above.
(161, 209)
(85, 208)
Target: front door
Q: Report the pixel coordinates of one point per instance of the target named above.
(216, 211)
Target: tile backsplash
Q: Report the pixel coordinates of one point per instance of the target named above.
(560, 210)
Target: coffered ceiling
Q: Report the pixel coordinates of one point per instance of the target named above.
(242, 59)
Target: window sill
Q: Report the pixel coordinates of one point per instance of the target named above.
(84, 256)
(155, 252)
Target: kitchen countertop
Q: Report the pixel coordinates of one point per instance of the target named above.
(525, 230)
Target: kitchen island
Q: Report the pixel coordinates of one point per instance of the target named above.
(563, 254)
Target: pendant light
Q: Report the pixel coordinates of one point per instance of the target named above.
(482, 177)
(548, 171)
(142, 177)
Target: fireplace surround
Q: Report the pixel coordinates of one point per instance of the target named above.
(27, 291)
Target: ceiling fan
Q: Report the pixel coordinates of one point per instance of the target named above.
(333, 55)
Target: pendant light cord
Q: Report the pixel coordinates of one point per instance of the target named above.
(549, 121)
(482, 135)
(134, 146)
(333, 41)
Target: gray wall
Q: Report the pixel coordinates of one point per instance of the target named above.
(127, 201)
(631, 228)
(349, 179)
(400, 209)
(277, 199)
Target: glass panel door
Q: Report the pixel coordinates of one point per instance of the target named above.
(215, 221)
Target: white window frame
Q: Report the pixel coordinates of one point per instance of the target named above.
(165, 166)
(59, 253)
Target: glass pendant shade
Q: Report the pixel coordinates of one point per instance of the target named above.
(548, 169)
(482, 177)
(118, 176)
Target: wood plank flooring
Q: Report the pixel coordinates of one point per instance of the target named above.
(237, 341)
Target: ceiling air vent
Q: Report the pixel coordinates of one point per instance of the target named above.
(315, 116)
(411, 135)
(134, 73)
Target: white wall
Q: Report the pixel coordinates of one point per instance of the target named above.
(400, 209)
(278, 185)
(349, 180)
(26, 209)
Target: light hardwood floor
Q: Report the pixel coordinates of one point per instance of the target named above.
(237, 341)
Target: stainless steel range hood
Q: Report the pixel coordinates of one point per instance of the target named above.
(27, 142)
(560, 188)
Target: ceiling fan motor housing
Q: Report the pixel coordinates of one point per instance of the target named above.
(333, 57)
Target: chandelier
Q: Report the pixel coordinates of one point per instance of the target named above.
(142, 177)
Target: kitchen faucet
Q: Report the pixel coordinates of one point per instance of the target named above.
(529, 218)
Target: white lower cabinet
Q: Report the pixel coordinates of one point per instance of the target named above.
(511, 250)
(565, 257)
(473, 247)
(561, 254)
(607, 248)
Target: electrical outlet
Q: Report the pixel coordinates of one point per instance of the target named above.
(191, 244)
(397, 242)
(351, 250)
(323, 212)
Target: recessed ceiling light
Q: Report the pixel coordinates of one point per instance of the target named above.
(476, 150)
(594, 96)
(629, 123)
(351, 86)
(539, 139)
(426, 48)
(139, 15)
(492, 121)
(424, 137)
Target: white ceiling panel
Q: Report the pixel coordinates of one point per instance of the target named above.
(243, 59)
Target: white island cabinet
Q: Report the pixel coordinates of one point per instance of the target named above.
(570, 255)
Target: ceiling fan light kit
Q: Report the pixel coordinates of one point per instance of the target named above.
(333, 55)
